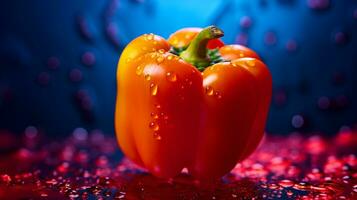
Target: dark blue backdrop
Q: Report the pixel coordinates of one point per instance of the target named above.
(58, 58)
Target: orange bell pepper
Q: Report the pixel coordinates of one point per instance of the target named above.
(190, 102)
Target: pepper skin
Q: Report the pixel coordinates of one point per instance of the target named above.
(169, 115)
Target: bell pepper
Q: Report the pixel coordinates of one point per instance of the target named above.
(190, 102)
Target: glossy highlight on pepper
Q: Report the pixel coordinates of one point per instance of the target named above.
(190, 102)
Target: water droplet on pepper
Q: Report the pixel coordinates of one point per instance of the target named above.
(157, 136)
(154, 115)
(139, 70)
(150, 36)
(209, 91)
(170, 76)
(153, 89)
(147, 77)
(160, 59)
(154, 126)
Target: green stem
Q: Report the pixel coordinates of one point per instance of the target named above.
(196, 52)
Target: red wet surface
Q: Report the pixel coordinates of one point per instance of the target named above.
(88, 166)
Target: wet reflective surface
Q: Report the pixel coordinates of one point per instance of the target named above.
(88, 165)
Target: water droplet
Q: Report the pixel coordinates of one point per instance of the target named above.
(150, 36)
(157, 136)
(218, 95)
(160, 59)
(250, 63)
(241, 55)
(154, 115)
(153, 89)
(286, 183)
(154, 126)
(153, 55)
(301, 186)
(147, 77)
(139, 70)
(170, 76)
(273, 186)
(209, 91)
(161, 51)
(289, 193)
(158, 106)
(169, 57)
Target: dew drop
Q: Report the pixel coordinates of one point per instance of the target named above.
(289, 193)
(147, 77)
(159, 59)
(209, 91)
(273, 186)
(169, 57)
(355, 188)
(150, 36)
(301, 186)
(241, 55)
(158, 106)
(153, 89)
(218, 95)
(170, 76)
(286, 183)
(139, 70)
(154, 115)
(161, 51)
(157, 136)
(154, 126)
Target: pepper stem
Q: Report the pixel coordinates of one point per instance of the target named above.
(196, 52)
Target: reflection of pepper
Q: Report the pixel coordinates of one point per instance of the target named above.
(169, 115)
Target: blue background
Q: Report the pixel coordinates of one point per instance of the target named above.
(58, 58)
